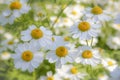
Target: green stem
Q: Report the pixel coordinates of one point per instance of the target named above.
(34, 75)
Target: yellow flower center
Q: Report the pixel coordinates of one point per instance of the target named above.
(36, 33)
(50, 78)
(61, 51)
(110, 63)
(27, 55)
(66, 38)
(40, 14)
(10, 42)
(74, 12)
(74, 70)
(97, 10)
(84, 26)
(66, 20)
(15, 5)
(87, 54)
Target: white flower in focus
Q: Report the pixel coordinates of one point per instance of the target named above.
(88, 56)
(40, 35)
(60, 54)
(27, 56)
(85, 30)
(109, 64)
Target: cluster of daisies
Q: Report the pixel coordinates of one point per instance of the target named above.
(38, 43)
(59, 50)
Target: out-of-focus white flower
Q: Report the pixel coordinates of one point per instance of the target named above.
(103, 77)
(74, 12)
(115, 74)
(56, 22)
(70, 72)
(7, 17)
(88, 56)
(85, 30)
(50, 76)
(116, 26)
(113, 42)
(27, 56)
(97, 13)
(8, 36)
(117, 19)
(5, 55)
(109, 64)
(9, 44)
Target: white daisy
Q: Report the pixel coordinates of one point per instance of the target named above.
(5, 56)
(113, 42)
(70, 72)
(60, 54)
(97, 13)
(40, 35)
(9, 44)
(88, 56)
(19, 7)
(50, 76)
(73, 12)
(85, 30)
(116, 26)
(109, 64)
(27, 56)
(103, 77)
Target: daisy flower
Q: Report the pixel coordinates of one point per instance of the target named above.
(113, 42)
(85, 30)
(109, 64)
(70, 72)
(50, 76)
(5, 56)
(97, 13)
(16, 8)
(19, 7)
(27, 57)
(103, 77)
(9, 44)
(73, 12)
(88, 56)
(60, 54)
(40, 35)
